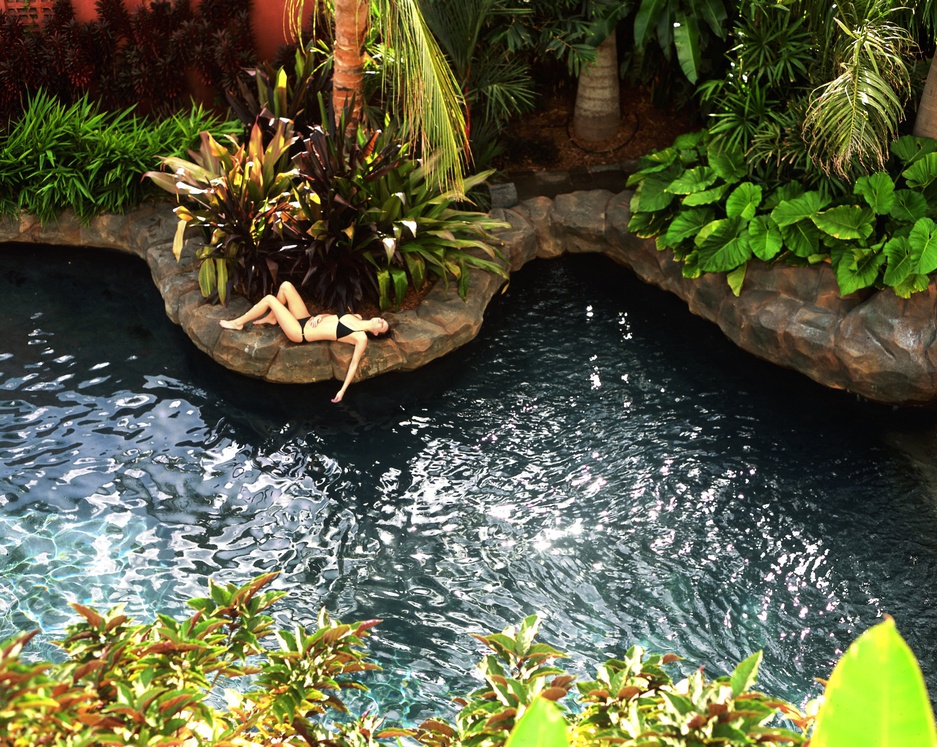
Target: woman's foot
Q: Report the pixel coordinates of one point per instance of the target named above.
(231, 324)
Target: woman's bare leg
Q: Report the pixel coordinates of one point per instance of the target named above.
(268, 305)
(289, 297)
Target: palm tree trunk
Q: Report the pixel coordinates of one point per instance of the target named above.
(925, 123)
(598, 109)
(351, 25)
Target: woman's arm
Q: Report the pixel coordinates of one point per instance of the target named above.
(361, 342)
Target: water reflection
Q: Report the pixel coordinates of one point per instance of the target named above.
(597, 455)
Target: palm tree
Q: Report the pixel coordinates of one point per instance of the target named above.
(597, 114)
(427, 96)
(925, 123)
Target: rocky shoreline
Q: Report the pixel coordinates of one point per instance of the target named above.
(875, 345)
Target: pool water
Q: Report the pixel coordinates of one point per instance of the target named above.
(596, 455)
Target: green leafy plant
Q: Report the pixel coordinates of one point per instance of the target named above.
(81, 158)
(696, 199)
(241, 199)
(160, 683)
(373, 225)
(126, 683)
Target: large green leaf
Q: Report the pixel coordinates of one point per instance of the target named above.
(789, 212)
(652, 195)
(645, 19)
(802, 238)
(744, 201)
(909, 206)
(686, 40)
(900, 262)
(541, 725)
(878, 190)
(923, 241)
(706, 197)
(693, 180)
(765, 237)
(909, 148)
(846, 222)
(724, 246)
(687, 224)
(912, 284)
(857, 269)
(728, 162)
(876, 696)
(922, 172)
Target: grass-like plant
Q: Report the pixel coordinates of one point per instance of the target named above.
(81, 158)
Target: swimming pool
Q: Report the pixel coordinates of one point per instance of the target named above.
(597, 454)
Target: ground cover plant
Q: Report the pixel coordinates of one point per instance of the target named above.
(80, 157)
(164, 682)
(803, 159)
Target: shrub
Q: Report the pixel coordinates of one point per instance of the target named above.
(351, 220)
(79, 157)
(158, 683)
(696, 199)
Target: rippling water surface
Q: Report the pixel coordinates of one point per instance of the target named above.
(596, 455)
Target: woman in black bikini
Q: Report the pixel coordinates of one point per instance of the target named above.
(287, 309)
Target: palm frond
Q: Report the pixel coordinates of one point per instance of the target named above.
(852, 118)
(426, 91)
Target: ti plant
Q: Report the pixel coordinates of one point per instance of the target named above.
(696, 199)
(373, 226)
(241, 200)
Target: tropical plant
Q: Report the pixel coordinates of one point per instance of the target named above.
(372, 224)
(427, 97)
(696, 199)
(125, 683)
(285, 92)
(241, 200)
(159, 683)
(81, 158)
(814, 90)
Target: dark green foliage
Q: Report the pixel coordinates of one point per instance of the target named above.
(81, 158)
(158, 683)
(696, 199)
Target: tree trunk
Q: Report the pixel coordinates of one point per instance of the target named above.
(597, 115)
(925, 123)
(351, 25)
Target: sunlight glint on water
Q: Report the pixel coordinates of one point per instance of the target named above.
(596, 455)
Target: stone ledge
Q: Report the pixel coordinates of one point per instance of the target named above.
(876, 345)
